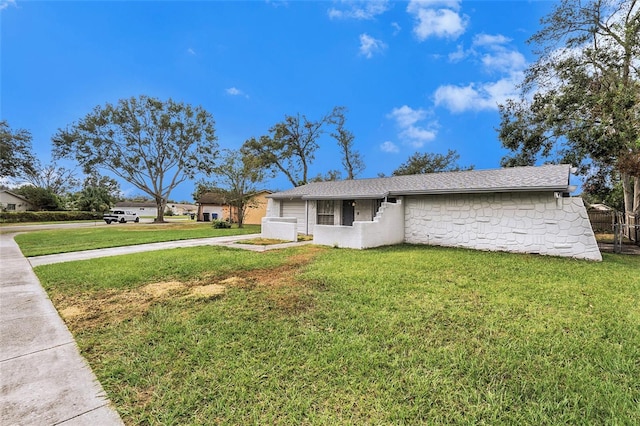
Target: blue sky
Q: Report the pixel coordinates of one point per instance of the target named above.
(415, 76)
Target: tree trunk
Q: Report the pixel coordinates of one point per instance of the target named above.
(636, 195)
(161, 204)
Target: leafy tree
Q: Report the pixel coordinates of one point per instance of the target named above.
(290, 148)
(351, 159)
(430, 163)
(57, 179)
(237, 176)
(16, 157)
(580, 100)
(153, 145)
(98, 193)
(331, 175)
(40, 198)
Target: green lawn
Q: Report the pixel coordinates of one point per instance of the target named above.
(40, 243)
(397, 335)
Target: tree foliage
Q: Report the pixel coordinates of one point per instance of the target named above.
(580, 100)
(98, 193)
(16, 157)
(420, 163)
(352, 160)
(57, 179)
(237, 176)
(290, 147)
(40, 198)
(153, 145)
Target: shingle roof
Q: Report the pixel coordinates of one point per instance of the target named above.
(542, 178)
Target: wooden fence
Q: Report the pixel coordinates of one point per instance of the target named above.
(627, 225)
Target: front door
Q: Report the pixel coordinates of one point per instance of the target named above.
(347, 212)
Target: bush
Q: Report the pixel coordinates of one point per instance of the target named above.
(221, 224)
(20, 217)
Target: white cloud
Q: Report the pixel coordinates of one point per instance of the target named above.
(362, 9)
(396, 28)
(489, 40)
(370, 45)
(437, 18)
(6, 3)
(389, 146)
(233, 91)
(411, 133)
(190, 51)
(476, 96)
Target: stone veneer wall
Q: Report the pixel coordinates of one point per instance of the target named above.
(515, 222)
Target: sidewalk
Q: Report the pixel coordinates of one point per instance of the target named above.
(44, 379)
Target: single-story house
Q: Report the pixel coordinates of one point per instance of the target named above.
(212, 205)
(13, 202)
(519, 209)
(149, 208)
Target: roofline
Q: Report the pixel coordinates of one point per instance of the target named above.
(564, 188)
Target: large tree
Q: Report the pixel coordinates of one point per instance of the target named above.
(151, 144)
(580, 100)
(420, 163)
(236, 178)
(52, 177)
(98, 193)
(351, 158)
(16, 157)
(290, 147)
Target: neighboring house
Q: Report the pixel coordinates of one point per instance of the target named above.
(12, 202)
(141, 208)
(520, 209)
(212, 206)
(149, 208)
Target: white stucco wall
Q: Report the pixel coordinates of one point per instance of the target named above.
(386, 228)
(515, 222)
(280, 228)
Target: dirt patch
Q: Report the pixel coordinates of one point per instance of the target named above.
(281, 284)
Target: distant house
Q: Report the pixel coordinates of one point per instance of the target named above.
(520, 209)
(212, 206)
(149, 208)
(12, 202)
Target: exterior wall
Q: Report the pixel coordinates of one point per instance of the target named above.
(514, 222)
(364, 210)
(20, 204)
(280, 228)
(296, 209)
(140, 211)
(386, 228)
(211, 209)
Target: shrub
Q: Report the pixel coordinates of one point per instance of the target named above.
(20, 217)
(220, 224)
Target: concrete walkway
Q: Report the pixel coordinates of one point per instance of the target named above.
(234, 241)
(43, 378)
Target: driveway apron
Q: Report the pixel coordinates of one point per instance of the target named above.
(43, 378)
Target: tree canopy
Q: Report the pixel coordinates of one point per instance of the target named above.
(236, 179)
(290, 147)
(352, 160)
(153, 145)
(16, 157)
(420, 163)
(580, 100)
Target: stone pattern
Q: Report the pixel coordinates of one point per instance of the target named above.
(515, 222)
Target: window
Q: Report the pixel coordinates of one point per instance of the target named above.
(325, 212)
(11, 207)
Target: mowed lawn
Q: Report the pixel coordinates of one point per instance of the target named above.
(396, 335)
(38, 243)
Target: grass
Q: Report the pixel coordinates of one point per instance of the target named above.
(397, 335)
(68, 240)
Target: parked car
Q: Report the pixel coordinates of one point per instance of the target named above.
(122, 216)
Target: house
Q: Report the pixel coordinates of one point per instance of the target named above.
(520, 209)
(12, 202)
(212, 206)
(149, 208)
